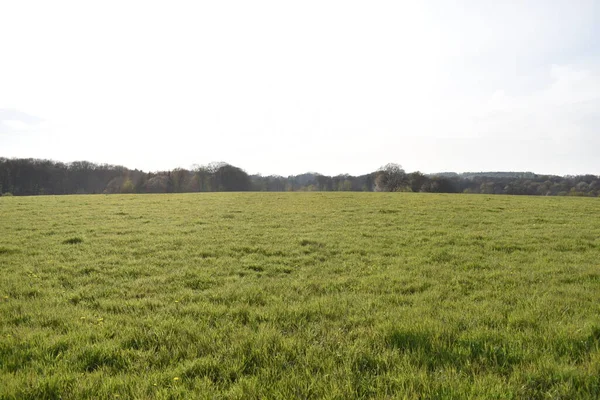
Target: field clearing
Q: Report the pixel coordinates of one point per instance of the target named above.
(299, 295)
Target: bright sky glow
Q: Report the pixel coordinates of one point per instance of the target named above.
(289, 87)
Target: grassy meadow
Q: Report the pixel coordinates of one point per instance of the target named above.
(299, 295)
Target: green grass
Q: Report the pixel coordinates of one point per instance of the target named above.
(299, 295)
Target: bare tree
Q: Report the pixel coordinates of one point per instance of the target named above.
(391, 178)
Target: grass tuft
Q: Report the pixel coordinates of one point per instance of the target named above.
(73, 240)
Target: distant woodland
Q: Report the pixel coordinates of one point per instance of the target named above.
(23, 177)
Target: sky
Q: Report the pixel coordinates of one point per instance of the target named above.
(282, 87)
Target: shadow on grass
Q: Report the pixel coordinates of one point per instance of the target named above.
(578, 350)
(95, 358)
(436, 351)
(73, 240)
(8, 250)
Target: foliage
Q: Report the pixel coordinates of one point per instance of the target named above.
(299, 295)
(391, 178)
(33, 177)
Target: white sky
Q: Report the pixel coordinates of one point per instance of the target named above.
(281, 87)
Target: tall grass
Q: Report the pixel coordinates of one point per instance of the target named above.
(299, 295)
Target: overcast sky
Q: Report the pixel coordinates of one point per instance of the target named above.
(282, 87)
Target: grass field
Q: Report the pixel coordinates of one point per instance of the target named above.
(299, 295)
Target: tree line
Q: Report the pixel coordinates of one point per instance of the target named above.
(38, 177)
